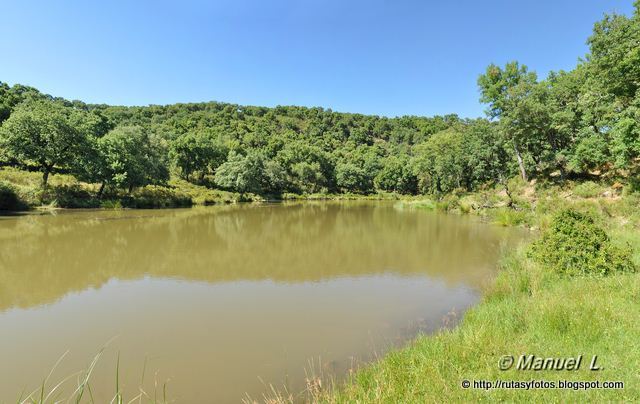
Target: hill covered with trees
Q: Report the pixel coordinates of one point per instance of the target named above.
(578, 124)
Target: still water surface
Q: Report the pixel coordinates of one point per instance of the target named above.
(219, 302)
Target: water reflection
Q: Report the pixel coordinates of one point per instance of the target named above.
(224, 295)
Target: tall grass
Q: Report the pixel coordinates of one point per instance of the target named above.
(20, 190)
(82, 392)
(528, 310)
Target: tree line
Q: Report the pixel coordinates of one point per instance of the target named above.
(572, 124)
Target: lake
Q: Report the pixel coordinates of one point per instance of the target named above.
(220, 302)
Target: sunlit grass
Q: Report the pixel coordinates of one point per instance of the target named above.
(527, 311)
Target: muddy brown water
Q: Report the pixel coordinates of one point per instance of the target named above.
(218, 303)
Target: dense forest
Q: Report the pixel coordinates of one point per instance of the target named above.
(576, 124)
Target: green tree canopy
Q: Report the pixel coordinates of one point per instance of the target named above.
(251, 173)
(198, 153)
(126, 157)
(440, 163)
(44, 134)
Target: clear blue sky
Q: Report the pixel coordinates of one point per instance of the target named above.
(377, 57)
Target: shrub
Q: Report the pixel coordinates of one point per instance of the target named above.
(587, 189)
(448, 203)
(111, 204)
(509, 217)
(575, 244)
(466, 206)
(68, 196)
(153, 196)
(425, 204)
(9, 200)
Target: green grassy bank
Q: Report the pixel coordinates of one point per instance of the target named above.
(533, 307)
(528, 311)
(22, 190)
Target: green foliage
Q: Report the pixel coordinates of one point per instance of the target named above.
(590, 152)
(615, 77)
(128, 157)
(308, 167)
(440, 163)
(522, 103)
(486, 156)
(197, 153)
(351, 178)
(152, 196)
(575, 244)
(251, 173)
(615, 54)
(424, 204)
(397, 176)
(449, 203)
(67, 196)
(509, 217)
(44, 134)
(9, 199)
(626, 138)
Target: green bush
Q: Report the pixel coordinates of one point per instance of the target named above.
(509, 217)
(576, 244)
(111, 204)
(424, 204)
(9, 200)
(448, 203)
(153, 196)
(68, 196)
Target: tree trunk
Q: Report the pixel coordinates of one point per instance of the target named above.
(523, 172)
(45, 177)
(130, 188)
(101, 190)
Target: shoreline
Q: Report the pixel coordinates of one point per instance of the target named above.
(528, 309)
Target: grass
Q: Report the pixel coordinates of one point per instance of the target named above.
(527, 311)
(509, 217)
(341, 197)
(422, 204)
(22, 190)
(587, 189)
(81, 391)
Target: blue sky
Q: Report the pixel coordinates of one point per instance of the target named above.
(376, 57)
